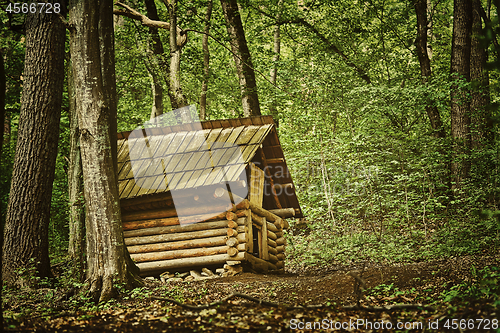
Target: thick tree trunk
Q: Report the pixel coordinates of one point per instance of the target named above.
(273, 109)
(28, 212)
(75, 186)
(242, 59)
(206, 62)
(425, 64)
(3, 87)
(179, 99)
(460, 103)
(481, 122)
(92, 50)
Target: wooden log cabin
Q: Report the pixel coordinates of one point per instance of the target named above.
(203, 194)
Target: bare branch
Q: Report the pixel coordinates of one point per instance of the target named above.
(147, 22)
(134, 14)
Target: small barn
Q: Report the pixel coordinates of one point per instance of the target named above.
(204, 194)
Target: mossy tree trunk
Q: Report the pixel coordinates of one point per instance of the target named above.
(92, 53)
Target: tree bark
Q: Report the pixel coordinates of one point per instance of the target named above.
(177, 41)
(179, 99)
(274, 71)
(28, 212)
(158, 62)
(481, 121)
(425, 65)
(460, 104)
(206, 62)
(157, 91)
(242, 59)
(3, 87)
(92, 51)
(75, 186)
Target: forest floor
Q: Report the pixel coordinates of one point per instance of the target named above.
(429, 283)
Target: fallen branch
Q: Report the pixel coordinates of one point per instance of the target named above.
(299, 307)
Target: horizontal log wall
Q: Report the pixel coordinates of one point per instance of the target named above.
(183, 263)
(160, 243)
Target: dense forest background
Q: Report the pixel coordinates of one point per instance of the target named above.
(347, 83)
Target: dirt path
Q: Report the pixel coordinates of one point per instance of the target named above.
(416, 283)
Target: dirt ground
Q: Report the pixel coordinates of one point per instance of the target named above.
(332, 287)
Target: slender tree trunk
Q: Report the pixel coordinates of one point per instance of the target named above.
(460, 103)
(92, 53)
(28, 212)
(157, 90)
(425, 65)
(75, 186)
(481, 122)
(273, 109)
(206, 62)
(242, 59)
(6, 127)
(158, 62)
(179, 99)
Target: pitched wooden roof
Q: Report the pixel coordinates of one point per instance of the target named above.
(161, 159)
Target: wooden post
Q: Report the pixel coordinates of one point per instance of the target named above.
(265, 250)
(271, 180)
(249, 231)
(256, 188)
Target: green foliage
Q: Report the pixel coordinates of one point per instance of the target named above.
(484, 283)
(372, 181)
